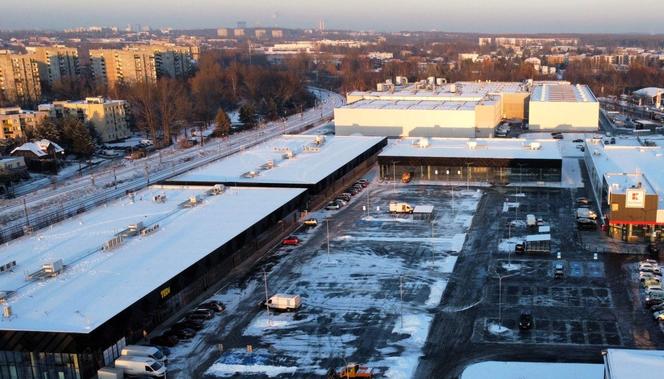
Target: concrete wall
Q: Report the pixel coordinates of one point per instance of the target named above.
(487, 118)
(515, 104)
(563, 116)
(405, 122)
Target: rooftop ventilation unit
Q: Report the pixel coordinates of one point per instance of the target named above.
(250, 174)
(380, 87)
(453, 88)
(441, 81)
(319, 140)
(311, 149)
(472, 145)
(8, 266)
(423, 143)
(268, 165)
(53, 268)
(159, 198)
(149, 230)
(112, 243)
(534, 146)
(7, 311)
(217, 189)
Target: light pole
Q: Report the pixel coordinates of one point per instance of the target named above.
(394, 175)
(447, 172)
(468, 164)
(327, 229)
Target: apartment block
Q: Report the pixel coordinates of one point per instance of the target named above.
(140, 64)
(56, 63)
(19, 78)
(14, 121)
(108, 117)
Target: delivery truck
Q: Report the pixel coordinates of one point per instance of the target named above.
(144, 351)
(282, 302)
(400, 207)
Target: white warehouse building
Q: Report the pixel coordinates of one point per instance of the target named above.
(434, 108)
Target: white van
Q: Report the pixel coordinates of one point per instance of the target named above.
(284, 302)
(141, 366)
(144, 351)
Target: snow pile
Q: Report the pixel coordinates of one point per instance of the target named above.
(223, 370)
(507, 245)
(416, 326)
(508, 204)
(497, 329)
(511, 266)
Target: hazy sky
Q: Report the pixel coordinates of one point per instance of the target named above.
(499, 16)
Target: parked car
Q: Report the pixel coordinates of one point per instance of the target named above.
(363, 182)
(201, 317)
(358, 186)
(310, 222)
(651, 282)
(653, 269)
(290, 240)
(207, 313)
(653, 300)
(643, 276)
(658, 291)
(165, 339)
(346, 196)
(558, 270)
(578, 140)
(340, 201)
(182, 334)
(519, 248)
(658, 316)
(586, 224)
(526, 320)
(658, 307)
(649, 262)
(332, 206)
(189, 323)
(557, 136)
(353, 191)
(582, 201)
(214, 305)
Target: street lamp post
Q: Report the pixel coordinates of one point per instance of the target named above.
(394, 175)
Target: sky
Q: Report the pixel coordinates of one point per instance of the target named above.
(482, 16)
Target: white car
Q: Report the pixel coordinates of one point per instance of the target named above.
(655, 292)
(658, 316)
(653, 269)
(332, 206)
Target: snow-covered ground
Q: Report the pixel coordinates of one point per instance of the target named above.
(352, 308)
(533, 370)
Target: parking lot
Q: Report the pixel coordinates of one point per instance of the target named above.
(370, 298)
(596, 303)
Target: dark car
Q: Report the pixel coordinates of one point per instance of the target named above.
(558, 136)
(167, 340)
(190, 324)
(213, 305)
(578, 140)
(344, 196)
(353, 191)
(586, 224)
(582, 201)
(519, 248)
(364, 183)
(182, 334)
(526, 320)
(209, 313)
(200, 316)
(652, 300)
(653, 249)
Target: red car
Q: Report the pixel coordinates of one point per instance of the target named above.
(291, 240)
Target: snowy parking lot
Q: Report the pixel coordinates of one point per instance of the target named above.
(370, 299)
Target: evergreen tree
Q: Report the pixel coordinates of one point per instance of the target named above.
(48, 129)
(77, 137)
(223, 127)
(248, 116)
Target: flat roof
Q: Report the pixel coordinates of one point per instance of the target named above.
(446, 105)
(632, 363)
(568, 93)
(97, 285)
(507, 148)
(463, 91)
(624, 166)
(268, 163)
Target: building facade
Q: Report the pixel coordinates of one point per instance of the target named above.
(108, 117)
(15, 121)
(140, 64)
(19, 78)
(56, 63)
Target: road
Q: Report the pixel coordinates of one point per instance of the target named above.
(78, 194)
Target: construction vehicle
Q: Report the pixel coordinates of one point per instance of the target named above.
(406, 176)
(400, 207)
(352, 370)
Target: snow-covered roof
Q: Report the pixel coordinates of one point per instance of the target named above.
(96, 285)
(538, 237)
(32, 147)
(562, 93)
(631, 363)
(39, 148)
(423, 209)
(447, 105)
(459, 91)
(290, 159)
(624, 166)
(505, 148)
(649, 91)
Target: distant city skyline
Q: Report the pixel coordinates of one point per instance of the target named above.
(492, 16)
